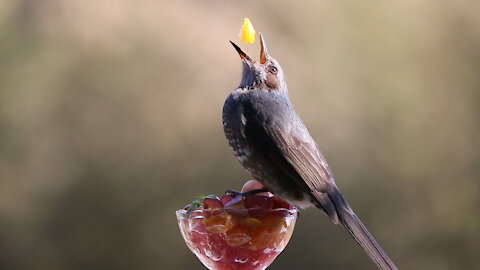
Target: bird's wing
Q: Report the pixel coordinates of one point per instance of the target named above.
(305, 157)
(301, 160)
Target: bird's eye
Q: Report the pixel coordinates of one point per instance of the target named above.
(273, 70)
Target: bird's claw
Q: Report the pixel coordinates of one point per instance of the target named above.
(250, 192)
(233, 192)
(238, 196)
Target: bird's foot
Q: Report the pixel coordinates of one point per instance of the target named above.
(250, 192)
(238, 196)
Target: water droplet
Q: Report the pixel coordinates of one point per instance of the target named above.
(241, 259)
(213, 254)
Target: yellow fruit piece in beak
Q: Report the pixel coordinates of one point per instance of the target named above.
(247, 33)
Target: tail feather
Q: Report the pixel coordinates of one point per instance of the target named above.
(359, 232)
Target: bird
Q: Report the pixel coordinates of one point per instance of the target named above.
(270, 140)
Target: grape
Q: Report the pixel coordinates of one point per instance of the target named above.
(212, 203)
(253, 201)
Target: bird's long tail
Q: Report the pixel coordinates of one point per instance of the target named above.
(359, 232)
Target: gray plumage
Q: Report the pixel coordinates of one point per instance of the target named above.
(272, 143)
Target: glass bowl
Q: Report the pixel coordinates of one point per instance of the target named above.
(237, 238)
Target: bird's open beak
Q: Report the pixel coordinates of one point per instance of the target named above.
(263, 51)
(242, 54)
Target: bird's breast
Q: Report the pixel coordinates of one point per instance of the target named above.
(243, 120)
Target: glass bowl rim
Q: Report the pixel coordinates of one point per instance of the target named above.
(182, 213)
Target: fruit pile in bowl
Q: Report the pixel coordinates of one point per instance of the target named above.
(237, 231)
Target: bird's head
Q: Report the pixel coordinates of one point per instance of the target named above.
(267, 74)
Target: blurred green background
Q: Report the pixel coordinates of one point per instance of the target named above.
(110, 120)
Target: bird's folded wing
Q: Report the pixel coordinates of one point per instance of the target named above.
(305, 158)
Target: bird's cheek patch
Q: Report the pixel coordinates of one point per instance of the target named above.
(271, 81)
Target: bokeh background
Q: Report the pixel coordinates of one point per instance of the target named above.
(110, 120)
